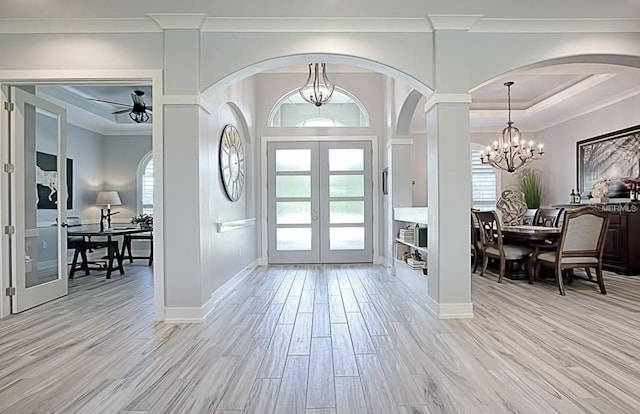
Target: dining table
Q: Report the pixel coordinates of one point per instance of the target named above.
(537, 237)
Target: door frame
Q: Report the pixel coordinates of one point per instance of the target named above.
(30, 77)
(264, 230)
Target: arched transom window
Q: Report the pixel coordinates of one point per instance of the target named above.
(344, 110)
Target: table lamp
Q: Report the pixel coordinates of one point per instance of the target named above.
(108, 199)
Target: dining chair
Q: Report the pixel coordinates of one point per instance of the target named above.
(493, 245)
(476, 248)
(547, 217)
(513, 207)
(581, 245)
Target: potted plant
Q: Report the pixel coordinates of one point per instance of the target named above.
(143, 220)
(530, 184)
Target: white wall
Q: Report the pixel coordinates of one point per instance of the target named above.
(560, 145)
(224, 255)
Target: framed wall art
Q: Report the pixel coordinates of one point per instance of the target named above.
(614, 157)
(47, 181)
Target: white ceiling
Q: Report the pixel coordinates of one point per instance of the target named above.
(323, 8)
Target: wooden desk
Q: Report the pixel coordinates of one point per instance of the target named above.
(112, 252)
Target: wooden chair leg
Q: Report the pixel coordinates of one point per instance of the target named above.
(559, 280)
(503, 263)
(485, 262)
(588, 271)
(603, 290)
(537, 270)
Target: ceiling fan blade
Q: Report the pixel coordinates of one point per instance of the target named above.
(122, 111)
(110, 102)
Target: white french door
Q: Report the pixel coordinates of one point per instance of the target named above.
(320, 202)
(38, 188)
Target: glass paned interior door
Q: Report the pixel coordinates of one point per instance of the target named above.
(292, 217)
(39, 201)
(346, 202)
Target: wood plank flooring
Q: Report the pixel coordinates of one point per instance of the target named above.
(326, 339)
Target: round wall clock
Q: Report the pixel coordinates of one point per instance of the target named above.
(232, 162)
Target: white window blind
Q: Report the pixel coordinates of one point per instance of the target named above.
(147, 188)
(484, 184)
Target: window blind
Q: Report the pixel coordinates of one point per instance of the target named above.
(484, 184)
(147, 189)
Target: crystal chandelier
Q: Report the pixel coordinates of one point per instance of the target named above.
(317, 89)
(510, 152)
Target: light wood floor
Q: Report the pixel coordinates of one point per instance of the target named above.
(326, 339)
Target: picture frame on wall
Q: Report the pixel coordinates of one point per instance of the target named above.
(47, 181)
(614, 156)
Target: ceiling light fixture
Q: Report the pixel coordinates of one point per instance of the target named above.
(510, 152)
(317, 89)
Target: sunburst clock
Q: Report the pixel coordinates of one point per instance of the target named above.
(232, 162)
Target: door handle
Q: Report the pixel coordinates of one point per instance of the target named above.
(64, 225)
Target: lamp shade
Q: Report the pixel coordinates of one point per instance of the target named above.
(108, 198)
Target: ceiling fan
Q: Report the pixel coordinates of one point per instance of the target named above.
(138, 112)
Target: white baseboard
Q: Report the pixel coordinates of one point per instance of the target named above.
(449, 310)
(198, 315)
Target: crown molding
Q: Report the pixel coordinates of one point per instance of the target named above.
(179, 20)
(198, 100)
(156, 22)
(438, 98)
(550, 25)
(453, 21)
(316, 24)
(70, 25)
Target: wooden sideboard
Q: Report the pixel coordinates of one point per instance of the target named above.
(622, 245)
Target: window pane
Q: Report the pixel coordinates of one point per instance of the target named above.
(351, 159)
(346, 238)
(296, 186)
(346, 212)
(293, 239)
(293, 212)
(293, 160)
(346, 186)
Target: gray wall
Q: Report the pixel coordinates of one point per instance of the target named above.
(121, 156)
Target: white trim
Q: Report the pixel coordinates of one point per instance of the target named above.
(399, 141)
(453, 21)
(110, 75)
(155, 23)
(377, 217)
(198, 315)
(551, 25)
(449, 310)
(178, 20)
(317, 24)
(235, 224)
(438, 98)
(199, 100)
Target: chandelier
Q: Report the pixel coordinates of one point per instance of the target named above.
(510, 152)
(317, 89)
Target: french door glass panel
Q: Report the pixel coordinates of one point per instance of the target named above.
(39, 201)
(319, 202)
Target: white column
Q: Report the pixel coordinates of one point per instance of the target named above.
(183, 290)
(449, 176)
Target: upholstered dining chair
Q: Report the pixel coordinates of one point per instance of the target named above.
(493, 244)
(513, 208)
(548, 217)
(581, 245)
(476, 247)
